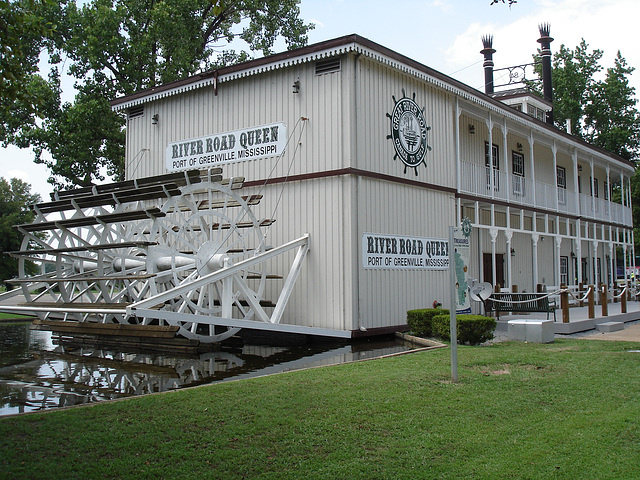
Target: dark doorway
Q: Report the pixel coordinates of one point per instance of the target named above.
(487, 275)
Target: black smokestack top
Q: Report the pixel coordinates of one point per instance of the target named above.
(488, 51)
(545, 51)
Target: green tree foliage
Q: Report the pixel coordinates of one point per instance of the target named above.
(22, 32)
(602, 110)
(611, 117)
(15, 195)
(117, 47)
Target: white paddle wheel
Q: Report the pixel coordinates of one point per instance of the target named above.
(182, 250)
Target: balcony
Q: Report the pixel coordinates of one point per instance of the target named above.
(517, 190)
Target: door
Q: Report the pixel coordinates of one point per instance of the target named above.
(487, 275)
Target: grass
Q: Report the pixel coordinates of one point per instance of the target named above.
(15, 316)
(570, 410)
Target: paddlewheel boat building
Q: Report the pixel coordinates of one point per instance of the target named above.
(312, 192)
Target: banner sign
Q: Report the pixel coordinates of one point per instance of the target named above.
(237, 146)
(460, 259)
(400, 252)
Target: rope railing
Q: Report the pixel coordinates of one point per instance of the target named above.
(533, 299)
(560, 291)
(613, 296)
(582, 299)
(546, 295)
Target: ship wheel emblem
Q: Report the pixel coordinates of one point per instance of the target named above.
(409, 132)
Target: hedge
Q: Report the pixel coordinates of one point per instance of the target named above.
(420, 320)
(471, 329)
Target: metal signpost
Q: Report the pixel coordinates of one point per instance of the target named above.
(459, 249)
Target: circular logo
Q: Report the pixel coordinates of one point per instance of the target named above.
(409, 132)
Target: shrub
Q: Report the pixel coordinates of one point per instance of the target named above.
(471, 329)
(420, 320)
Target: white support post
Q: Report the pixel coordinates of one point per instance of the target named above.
(509, 235)
(534, 239)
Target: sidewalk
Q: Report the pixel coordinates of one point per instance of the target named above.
(579, 321)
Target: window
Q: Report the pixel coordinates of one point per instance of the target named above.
(564, 270)
(606, 190)
(517, 162)
(594, 193)
(561, 182)
(495, 159)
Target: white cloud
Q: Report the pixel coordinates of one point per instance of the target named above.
(608, 26)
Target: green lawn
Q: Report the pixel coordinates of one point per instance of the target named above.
(14, 316)
(567, 410)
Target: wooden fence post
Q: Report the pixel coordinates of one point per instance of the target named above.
(591, 300)
(623, 300)
(564, 304)
(603, 300)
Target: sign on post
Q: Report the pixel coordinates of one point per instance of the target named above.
(459, 273)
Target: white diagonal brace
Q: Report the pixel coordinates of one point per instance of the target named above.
(287, 289)
(215, 276)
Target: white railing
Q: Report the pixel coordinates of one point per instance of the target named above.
(476, 180)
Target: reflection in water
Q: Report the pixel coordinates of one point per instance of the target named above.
(35, 374)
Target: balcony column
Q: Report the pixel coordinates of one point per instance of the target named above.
(554, 152)
(534, 241)
(507, 163)
(593, 193)
(629, 220)
(574, 157)
(509, 234)
(607, 193)
(490, 167)
(493, 232)
(533, 170)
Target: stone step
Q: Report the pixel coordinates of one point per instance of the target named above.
(606, 327)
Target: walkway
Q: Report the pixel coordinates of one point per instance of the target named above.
(579, 321)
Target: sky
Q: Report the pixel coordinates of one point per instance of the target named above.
(446, 36)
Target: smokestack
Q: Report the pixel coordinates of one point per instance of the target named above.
(545, 42)
(488, 51)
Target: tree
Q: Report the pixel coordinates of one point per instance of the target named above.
(602, 111)
(611, 119)
(117, 47)
(22, 33)
(15, 195)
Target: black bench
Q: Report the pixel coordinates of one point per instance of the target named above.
(520, 303)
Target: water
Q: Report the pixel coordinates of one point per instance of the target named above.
(37, 374)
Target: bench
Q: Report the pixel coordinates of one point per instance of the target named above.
(520, 303)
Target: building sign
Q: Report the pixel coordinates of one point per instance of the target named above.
(237, 146)
(399, 252)
(409, 132)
